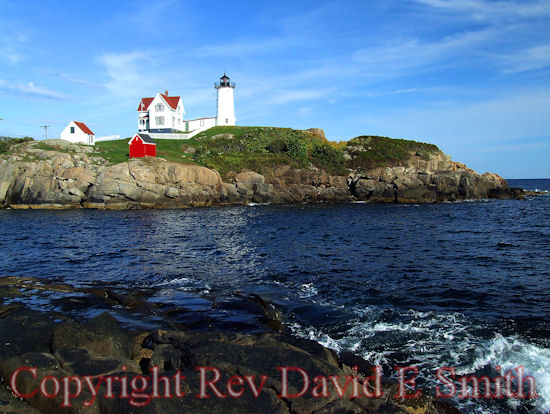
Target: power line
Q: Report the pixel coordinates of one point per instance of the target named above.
(45, 130)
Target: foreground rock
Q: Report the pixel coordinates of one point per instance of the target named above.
(70, 176)
(199, 372)
(60, 365)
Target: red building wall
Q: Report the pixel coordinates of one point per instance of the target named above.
(137, 148)
(151, 150)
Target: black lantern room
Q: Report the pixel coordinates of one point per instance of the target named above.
(224, 80)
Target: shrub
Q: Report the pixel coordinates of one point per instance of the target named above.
(6, 142)
(371, 151)
(328, 158)
(277, 146)
(297, 150)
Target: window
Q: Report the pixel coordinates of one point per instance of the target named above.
(72, 130)
(179, 121)
(159, 107)
(159, 120)
(226, 120)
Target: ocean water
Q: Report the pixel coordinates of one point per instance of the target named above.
(463, 285)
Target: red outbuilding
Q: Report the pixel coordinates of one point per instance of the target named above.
(142, 145)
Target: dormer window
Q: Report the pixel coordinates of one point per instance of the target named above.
(159, 107)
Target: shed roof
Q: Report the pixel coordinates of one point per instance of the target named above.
(146, 138)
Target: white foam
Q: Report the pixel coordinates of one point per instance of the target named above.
(176, 281)
(512, 352)
(434, 340)
(307, 290)
(316, 335)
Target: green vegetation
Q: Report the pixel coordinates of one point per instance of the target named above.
(118, 151)
(113, 151)
(236, 148)
(370, 151)
(233, 149)
(258, 148)
(7, 142)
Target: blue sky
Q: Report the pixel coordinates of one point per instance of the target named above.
(472, 76)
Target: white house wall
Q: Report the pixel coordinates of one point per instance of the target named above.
(143, 116)
(78, 137)
(173, 118)
(201, 124)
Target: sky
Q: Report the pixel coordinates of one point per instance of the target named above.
(471, 76)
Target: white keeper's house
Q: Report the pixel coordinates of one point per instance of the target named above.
(163, 114)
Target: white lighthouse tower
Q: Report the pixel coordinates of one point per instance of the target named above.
(226, 105)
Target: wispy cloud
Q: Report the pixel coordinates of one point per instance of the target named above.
(286, 96)
(485, 10)
(465, 126)
(127, 72)
(533, 58)
(30, 90)
(149, 15)
(397, 57)
(76, 80)
(11, 44)
(304, 110)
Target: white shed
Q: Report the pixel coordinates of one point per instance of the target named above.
(78, 132)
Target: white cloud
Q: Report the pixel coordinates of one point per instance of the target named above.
(77, 81)
(286, 96)
(305, 110)
(466, 126)
(149, 15)
(489, 10)
(533, 58)
(127, 72)
(401, 55)
(30, 90)
(11, 44)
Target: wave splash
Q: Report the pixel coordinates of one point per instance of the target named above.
(429, 340)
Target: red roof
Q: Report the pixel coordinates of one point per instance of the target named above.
(144, 104)
(84, 128)
(170, 100)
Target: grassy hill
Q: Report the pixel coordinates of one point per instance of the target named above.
(257, 148)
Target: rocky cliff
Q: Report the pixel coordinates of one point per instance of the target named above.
(58, 174)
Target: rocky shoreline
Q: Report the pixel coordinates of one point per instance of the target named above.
(56, 174)
(63, 346)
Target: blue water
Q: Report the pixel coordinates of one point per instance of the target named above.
(454, 284)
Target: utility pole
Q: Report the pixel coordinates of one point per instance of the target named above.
(45, 130)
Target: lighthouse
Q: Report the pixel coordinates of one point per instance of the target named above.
(226, 105)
